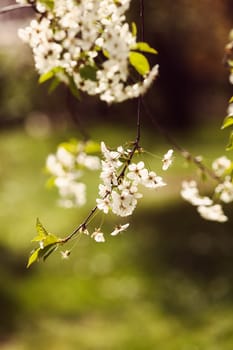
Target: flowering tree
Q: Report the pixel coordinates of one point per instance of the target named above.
(89, 46)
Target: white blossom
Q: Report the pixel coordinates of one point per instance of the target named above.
(212, 213)
(153, 181)
(225, 190)
(220, 165)
(137, 172)
(191, 194)
(98, 236)
(119, 191)
(119, 228)
(103, 204)
(167, 159)
(74, 35)
(67, 167)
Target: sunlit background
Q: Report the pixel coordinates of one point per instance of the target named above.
(166, 283)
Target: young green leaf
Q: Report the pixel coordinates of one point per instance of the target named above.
(41, 232)
(134, 29)
(54, 84)
(139, 62)
(73, 88)
(33, 257)
(46, 76)
(228, 121)
(144, 47)
(49, 251)
(229, 147)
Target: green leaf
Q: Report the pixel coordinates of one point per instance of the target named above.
(50, 74)
(228, 121)
(229, 147)
(49, 251)
(51, 182)
(46, 76)
(50, 239)
(141, 46)
(41, 232)
(139, 62)
(54, 84)
(88, 72)
(48, 3)
(73, 89)
(70, 146)
(231, 99)
(92, 147)
(106, 53)
(134, 29)
(33, 257)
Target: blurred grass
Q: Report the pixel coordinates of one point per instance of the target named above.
(164, 284)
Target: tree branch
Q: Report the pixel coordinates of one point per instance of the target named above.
(184, 153)
(11, 8)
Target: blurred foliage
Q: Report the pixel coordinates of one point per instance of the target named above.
(166, 283)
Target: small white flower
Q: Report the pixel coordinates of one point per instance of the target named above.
(65, 157)
(220, 165)
(103, 204)
(137, 172)
(212, 213)
(119, 228)
(65, 255)
(153, 181)
(167, 159)
(123, 204)
(225, 190)
(84, 230)
(98, 236)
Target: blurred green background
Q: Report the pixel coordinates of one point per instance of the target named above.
(166, 283)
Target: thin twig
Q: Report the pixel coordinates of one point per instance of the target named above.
(74, 115)
(11, 8)
(184, 152)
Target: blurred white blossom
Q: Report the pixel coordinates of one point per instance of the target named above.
(89, 42)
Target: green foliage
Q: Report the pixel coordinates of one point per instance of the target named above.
(73, 88)
(88, 72)
(92, 147)
(54, 84)
(228, 121)
(48, 243)
(50, 74)
(144, 47)
(139, 62)
(134, 29)
(229, 146)
(48, 3)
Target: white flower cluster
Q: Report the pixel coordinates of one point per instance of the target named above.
(89, 42)
(119, 191)
(207, 207)
(66, 168)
